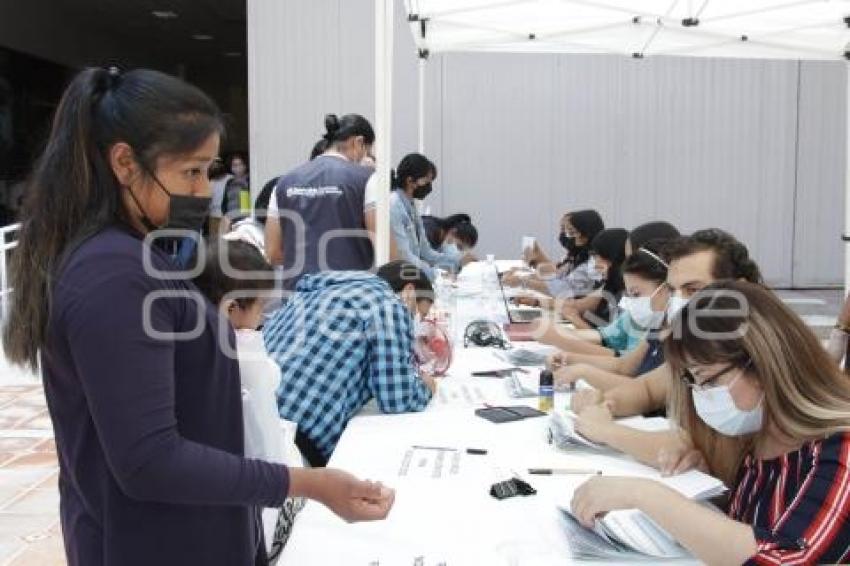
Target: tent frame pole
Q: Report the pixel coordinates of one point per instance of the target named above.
(423, 62)
(846, 236)
(383, 124)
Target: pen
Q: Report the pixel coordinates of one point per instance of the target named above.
(473, 451)
(563, 471)
(440, 448)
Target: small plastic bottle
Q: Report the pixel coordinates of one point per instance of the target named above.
(546, 393)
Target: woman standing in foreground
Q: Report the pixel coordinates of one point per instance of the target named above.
(750, 369)
(146, 406)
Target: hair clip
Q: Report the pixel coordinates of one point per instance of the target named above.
(114, 74)
(655, 257)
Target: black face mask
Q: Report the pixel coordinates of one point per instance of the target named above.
(422, 191)
(184, 212)
(568, 242)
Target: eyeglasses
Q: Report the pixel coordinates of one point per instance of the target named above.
(688, 379)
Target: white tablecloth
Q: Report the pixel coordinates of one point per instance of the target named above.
(443, 512)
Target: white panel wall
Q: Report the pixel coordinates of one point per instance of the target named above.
(305, 59)
(519, 139)
(818, 250)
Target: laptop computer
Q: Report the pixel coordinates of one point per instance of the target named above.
(518, 314)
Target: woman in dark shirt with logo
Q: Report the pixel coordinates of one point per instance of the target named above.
(146, 406)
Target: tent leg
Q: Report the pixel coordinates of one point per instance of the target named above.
(847, 192)
(422, 63)
(383, 124)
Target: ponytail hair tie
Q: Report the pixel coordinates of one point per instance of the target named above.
(331, 127)
(114, 76)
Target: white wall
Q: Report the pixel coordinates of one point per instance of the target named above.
(750, 146)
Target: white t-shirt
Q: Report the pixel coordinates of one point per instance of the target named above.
(267, 436)
(370, 199)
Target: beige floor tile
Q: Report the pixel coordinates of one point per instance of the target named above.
(32, 460)
(16, 527)
(38, 501)
(13, 482)
(38, 421)
(14, 444)
(41, 547)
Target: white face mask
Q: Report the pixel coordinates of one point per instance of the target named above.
(451, 249)
(675, 305)
(717, 409)
(641, 313)
(595, 274)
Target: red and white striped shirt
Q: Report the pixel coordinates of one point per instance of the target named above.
(798, 504)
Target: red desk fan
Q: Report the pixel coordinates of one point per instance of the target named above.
(433, 349)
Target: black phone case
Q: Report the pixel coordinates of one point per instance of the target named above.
(508, 414)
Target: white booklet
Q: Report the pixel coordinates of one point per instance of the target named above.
(619, 538)
(523, 385)
(631, 534)
(626, 534)
(564, 434)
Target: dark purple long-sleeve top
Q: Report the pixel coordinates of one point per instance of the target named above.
(148, 428)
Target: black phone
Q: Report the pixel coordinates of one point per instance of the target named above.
(508, 414)
(494, 373)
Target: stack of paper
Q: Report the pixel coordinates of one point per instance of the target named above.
(564, 434)
(522, 385)
(695, 484)
(631, 534)
(604, 541)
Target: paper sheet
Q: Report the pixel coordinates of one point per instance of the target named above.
(460, 394)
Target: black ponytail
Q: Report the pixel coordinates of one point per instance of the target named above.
(412, 166)
(72, 192)
(342, 129)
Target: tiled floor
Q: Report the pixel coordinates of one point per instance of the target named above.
(29, 497)
(29, 501)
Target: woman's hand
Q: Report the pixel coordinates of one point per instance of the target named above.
(547, 331)
(356, 500)
(571, 314)
(568, 375)
(592, 422)
(534, 254)
(599, 495)
(526, 299)
(511, 278)
(557, 360)
(585, 398)
(680, 459)
(350, 498)
(429, 381)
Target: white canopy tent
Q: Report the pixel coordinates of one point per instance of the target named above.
(750, 29)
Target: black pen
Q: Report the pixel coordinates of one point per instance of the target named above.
(563, 471)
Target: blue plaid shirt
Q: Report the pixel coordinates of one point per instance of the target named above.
(342, 338)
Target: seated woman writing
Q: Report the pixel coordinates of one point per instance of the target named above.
(573, 276)
(645, 301)
(770, 412)
(598, 308)
(620, 336)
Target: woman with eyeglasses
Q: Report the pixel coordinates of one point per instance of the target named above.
(770, 412)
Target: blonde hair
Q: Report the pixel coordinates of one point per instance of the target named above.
(806, 395)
